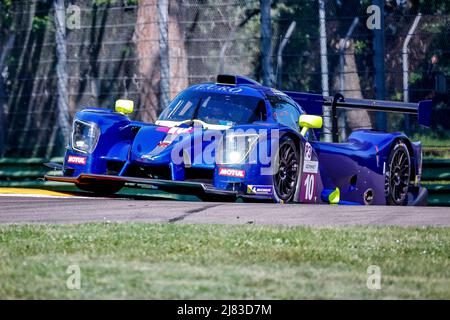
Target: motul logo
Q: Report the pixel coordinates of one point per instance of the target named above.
(76, 160)
(236, 173)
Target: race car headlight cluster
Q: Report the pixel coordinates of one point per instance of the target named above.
(235, 148)
(84, 136)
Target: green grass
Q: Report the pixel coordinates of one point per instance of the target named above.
(222, 262)
(431, 141)
(433, 146)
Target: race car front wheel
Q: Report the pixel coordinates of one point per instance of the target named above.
(285, 179)
(398, 175)
(101, 188)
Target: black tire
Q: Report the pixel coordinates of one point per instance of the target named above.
(398, 175)
(284, 181)
(101, 188)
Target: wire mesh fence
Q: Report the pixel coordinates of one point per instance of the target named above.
(113, 50)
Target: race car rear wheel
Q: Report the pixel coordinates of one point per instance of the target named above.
(285, 179)
(398, 175)
(100, 188)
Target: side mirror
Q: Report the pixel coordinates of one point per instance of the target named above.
(307, 121)
(124, 106)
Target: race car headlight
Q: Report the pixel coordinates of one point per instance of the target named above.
(84, 136)
(235, 148)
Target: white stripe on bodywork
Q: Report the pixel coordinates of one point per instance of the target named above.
(171, 124)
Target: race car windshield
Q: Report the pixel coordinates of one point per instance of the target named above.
(215, 108)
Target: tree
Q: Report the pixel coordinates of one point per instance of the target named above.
(5, 48)
(61, 69)
(146, 36)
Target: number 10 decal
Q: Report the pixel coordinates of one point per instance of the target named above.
(309, 187)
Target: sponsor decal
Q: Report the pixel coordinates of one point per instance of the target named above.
(255, 189)
(163, 144)
(310, 166)
(216, 87)
(227, 172)
(309, 188)
(76, 160)
(308, 151)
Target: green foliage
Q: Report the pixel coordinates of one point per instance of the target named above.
(423, 77)
(432, 139)
(414, 77)
(298, 71)
(40, 23)
(5, 16)
(398, 96)
(360, 46)
(434, 6)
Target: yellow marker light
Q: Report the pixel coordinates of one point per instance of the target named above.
(124, 106)
(335, 196)
(307, 121)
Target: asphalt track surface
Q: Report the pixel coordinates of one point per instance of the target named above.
(47, 207)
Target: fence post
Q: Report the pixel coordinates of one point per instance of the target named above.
(324, 71)
(279, 72)
(405, 65)
(380, 72)
(342, 76)
(163, 25)
(266, 42)
(61, 69)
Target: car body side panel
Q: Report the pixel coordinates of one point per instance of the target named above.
(359, 165)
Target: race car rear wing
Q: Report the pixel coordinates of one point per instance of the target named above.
(313, 104)
(421, 109)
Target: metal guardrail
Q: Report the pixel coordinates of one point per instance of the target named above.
(21, 172)
(436, 169)
(436, 178)
(27, 173)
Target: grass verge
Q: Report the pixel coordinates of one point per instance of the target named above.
(137, 260)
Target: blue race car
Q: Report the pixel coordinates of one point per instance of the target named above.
(238, 139)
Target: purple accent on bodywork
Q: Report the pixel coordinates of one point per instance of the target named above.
(163, 129)
(424, 111)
